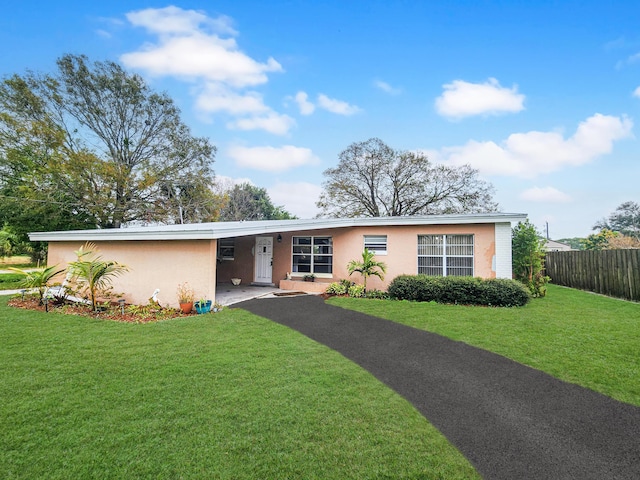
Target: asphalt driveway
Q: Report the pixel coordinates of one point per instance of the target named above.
(509, 420)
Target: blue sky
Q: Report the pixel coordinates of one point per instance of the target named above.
(541, 97)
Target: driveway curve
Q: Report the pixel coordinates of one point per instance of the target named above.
(509, 420)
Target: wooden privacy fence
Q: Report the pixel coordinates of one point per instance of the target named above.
(610, 272)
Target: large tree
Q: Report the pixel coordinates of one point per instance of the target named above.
(625, 220)
(95, 143)
(374, 180)
(600, 240)
(248, 202)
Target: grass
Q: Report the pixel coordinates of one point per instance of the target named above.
(579, 337)
(18, 261)
(222, 396)
(10, 281)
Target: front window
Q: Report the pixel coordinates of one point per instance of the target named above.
(226, 249)
(312, 255)
(445, 255)
(376, 244)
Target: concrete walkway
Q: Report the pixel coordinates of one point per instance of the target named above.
(228, 294)
(11, 292)
(509, 420)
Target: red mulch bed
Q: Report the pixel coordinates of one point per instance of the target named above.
(132, 314)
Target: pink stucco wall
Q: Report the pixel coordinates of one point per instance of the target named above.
(153, 264)
(165, 264)
(402, 250)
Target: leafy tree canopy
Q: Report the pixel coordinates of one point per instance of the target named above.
(600, 240)
(625, 220)
(374, 180)
(93, 146)
(248, 202)
(528, 258)
(607, 239)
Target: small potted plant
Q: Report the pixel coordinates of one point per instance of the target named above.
(309, 278)
(203, 306)
(185, 297)
(217, 307)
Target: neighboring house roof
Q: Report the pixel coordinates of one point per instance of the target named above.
(552, 245)
(208, 231)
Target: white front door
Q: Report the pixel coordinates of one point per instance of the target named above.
(264, 259)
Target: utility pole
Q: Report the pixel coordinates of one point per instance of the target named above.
(547, 223)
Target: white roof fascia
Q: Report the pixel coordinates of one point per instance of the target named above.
(209, 231)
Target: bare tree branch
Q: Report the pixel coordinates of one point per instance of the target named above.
(373, 180)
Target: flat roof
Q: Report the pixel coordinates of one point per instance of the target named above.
(215, 230)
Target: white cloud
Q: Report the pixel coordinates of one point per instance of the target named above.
(323, 101)
(175, 20)
(200, 56)
(634, 58)
(249, 107)
(298, 198)
(630, 60)
(215, 97)
(463, 99)
(545, 194)
(272, 159)
(336, 106)
(192, 46)
(273, 122)
(533, 153)
(306, 107)
(385, 87)
(636, 92)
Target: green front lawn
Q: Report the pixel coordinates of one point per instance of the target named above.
(10, 281)
(224, 396)
(232, 395)
(580, 337)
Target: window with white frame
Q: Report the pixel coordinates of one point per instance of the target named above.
(312, 255)
(226, 248)
(445, 255)
(376, 244)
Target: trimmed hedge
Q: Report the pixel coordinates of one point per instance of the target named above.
(496, 292)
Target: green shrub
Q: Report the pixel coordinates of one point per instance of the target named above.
(336, 288)
(339, 288)
(415, 288)
(38, 279)
(528, 258)
(356, 291)
(377, 294)
(459, 290)
(10, 281)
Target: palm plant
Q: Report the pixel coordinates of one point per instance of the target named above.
(93, 274)
(367, 267)
(39, 278)
(8, 241)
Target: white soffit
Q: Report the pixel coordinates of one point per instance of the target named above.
(209, 231)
